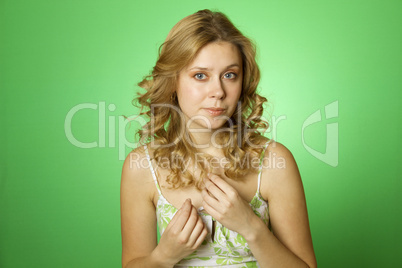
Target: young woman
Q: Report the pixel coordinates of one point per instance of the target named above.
(204, 173)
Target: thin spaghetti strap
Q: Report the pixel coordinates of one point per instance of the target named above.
(260, 169)
(152, 170)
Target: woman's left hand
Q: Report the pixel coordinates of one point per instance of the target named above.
(225, 204)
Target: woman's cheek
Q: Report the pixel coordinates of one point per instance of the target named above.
(197, 93)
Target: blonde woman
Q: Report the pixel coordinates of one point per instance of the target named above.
(220, 192)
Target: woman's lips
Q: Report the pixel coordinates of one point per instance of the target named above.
(215, 111)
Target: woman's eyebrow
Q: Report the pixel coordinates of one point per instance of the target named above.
(206, 69)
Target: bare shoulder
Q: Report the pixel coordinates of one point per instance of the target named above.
(282, 153)
(136, 176)
(136, 166)
(137, 183)
(136, 172)
(279, 169)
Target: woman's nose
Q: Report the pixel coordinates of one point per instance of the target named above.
(216, 90)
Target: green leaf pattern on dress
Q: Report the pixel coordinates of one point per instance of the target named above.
(230, 248)
(166, 213)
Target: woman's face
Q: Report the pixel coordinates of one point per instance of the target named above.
(210, 86)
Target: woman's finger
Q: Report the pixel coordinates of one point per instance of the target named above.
(229, 191)
(179, 220)
(220, 183)
(212, 188)
(201, 237)
(211, 201)
(211, 211)
(189, 226)
(199, 226)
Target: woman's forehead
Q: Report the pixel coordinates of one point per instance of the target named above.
(217, 55)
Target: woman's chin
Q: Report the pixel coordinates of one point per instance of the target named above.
(203, 126)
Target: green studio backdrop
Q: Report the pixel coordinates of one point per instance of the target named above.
(330, 69)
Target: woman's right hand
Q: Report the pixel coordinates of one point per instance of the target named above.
(183, 235)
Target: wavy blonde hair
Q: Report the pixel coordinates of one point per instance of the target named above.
(167, 127)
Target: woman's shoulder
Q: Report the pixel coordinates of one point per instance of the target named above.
(274, 148)
(279, 168)
(136, 172)
(278, 159)
(139, 158)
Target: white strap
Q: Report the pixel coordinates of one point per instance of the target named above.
(261, 163)
(152, 170)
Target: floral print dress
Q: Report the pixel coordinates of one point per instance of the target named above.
(227, 248)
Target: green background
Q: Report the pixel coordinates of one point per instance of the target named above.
(60, 203)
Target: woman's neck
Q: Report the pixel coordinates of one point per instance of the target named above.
(205, 142)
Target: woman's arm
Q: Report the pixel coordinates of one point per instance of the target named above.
(138, 219)
(182, 236)
(291, 244)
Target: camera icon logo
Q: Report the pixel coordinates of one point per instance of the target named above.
(330, 156)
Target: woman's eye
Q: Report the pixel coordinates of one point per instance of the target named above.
(200, 76)
(230, 75)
